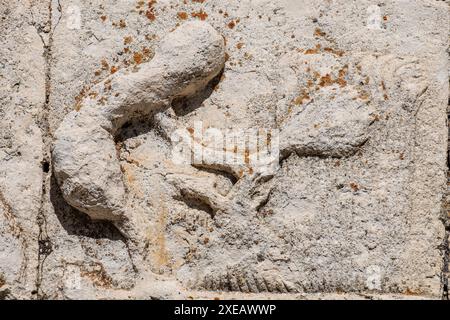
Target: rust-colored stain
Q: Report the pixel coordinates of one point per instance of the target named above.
(97, 274)
(150, 15)
(316, 50)
(231, 24)
(326, 81)
(137, 58)
(105, 64)
(127, 40)
(93, 94)
(338, 53)
(114, 69)
(319, 33)
(354, 186)
(79, 98)
(182, 15)
(302, 98)
(247, 156)
(103, 18)
(239, 45)
(202, 15)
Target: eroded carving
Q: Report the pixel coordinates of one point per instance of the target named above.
(84, 153)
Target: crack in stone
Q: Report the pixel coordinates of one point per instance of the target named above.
(44, 243)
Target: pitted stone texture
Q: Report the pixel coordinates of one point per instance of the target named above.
(367, 221)
(22, 97)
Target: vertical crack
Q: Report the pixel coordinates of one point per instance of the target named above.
(45, 246)
(446, 219)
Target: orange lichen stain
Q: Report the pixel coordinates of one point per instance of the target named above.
(140, 4)
(302, 98)
(247, 156)
(231, 25)
(114, 69)
(343, 71)
(127, 40)
(191, 131)
(147, 53)
(316, 75)
(326, 81)
(354, 187)
(410, 292)
(338, 53)
(341, 75)
(137, 58)
(202, 15)
(319, 33)
(105, 64)
(182, 15)
(122, 23)
(93, 94)
(316, 50)
(341, 82)
(79, 98)
(97, 275)
(150, 15)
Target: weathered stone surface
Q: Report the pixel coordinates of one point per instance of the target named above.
(353, 209)
(185, 62)
(22, 99)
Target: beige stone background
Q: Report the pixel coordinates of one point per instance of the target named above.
(369, 225)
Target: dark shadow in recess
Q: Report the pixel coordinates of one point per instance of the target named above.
(76, 222)
(184, 106)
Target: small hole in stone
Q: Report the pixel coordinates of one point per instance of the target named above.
(45, 166)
